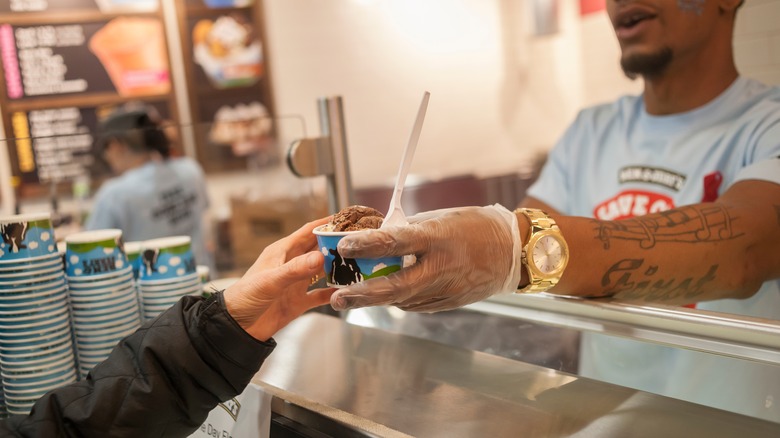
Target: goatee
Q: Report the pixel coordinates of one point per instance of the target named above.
(646, 65)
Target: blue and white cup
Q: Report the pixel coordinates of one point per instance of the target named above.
(341, 271)
(162, 294)
(94, 253)
(133, 251)
(166, 258)
(26, 237)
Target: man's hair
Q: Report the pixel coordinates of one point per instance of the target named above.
(135, 128)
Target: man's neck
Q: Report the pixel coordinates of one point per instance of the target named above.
(690, 83)
(137, 160)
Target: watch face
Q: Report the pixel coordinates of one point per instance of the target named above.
(548, 254)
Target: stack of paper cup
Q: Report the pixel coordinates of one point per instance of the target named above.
(102, 294)
(167, 273)
(36, 346)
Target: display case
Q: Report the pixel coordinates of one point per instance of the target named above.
(329, 377)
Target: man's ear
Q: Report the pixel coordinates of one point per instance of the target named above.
(114, 146)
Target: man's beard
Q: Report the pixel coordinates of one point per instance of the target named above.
(646, 65)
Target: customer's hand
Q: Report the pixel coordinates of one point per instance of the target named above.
(273, 291)
(463, 255)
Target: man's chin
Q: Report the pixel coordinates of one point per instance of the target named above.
(646, 64)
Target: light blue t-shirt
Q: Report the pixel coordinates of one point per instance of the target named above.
(617, 161)
(157, 199)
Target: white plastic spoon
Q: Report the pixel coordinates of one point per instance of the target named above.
(395, 214)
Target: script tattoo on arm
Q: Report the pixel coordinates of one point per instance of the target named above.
(631, 280)
(699, 223)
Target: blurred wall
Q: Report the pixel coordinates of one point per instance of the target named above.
(498, 93)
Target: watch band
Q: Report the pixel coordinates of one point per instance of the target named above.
(540, 221)
(538, 218)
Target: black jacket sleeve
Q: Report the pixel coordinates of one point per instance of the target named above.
(162, 380)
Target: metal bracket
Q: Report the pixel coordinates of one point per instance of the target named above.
(309, 157)
(326, 155)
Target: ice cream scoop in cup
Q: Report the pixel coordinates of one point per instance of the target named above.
(341, 271)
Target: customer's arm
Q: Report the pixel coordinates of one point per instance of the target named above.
(164, 379)
(693, 253)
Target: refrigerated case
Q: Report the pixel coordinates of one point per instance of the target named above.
(330, 377)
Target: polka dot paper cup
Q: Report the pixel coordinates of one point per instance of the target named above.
(25, 237)
(94, 253)
(340, 271)
(133, 251)
(166, 258)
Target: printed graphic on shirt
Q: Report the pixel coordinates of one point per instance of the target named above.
(652, 175)
(174, 206)
(712, 182)
(632, 203)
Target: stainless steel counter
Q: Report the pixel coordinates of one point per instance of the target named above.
(391, 385)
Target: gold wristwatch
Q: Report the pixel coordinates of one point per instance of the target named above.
(546, 254)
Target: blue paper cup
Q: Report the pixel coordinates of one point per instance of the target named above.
(340, 271)
(26, 237)
(97, 282)
(28, 265)
(133, 251)
(57, 377)
(166, 258)
(94, 253)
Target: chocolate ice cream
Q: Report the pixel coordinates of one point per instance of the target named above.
(356, 218)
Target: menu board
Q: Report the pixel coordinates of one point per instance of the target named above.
(56, 144)
(104, 6)
(65, 63)
(125, 55)
(53, 144)
(45, 5)
(230, 94)
(51, 60)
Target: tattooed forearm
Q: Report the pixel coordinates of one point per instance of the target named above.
(630, 279)
(698, 223)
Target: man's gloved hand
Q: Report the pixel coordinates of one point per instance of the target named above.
(464, 255)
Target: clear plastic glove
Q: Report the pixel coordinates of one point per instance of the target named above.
(464, 255)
